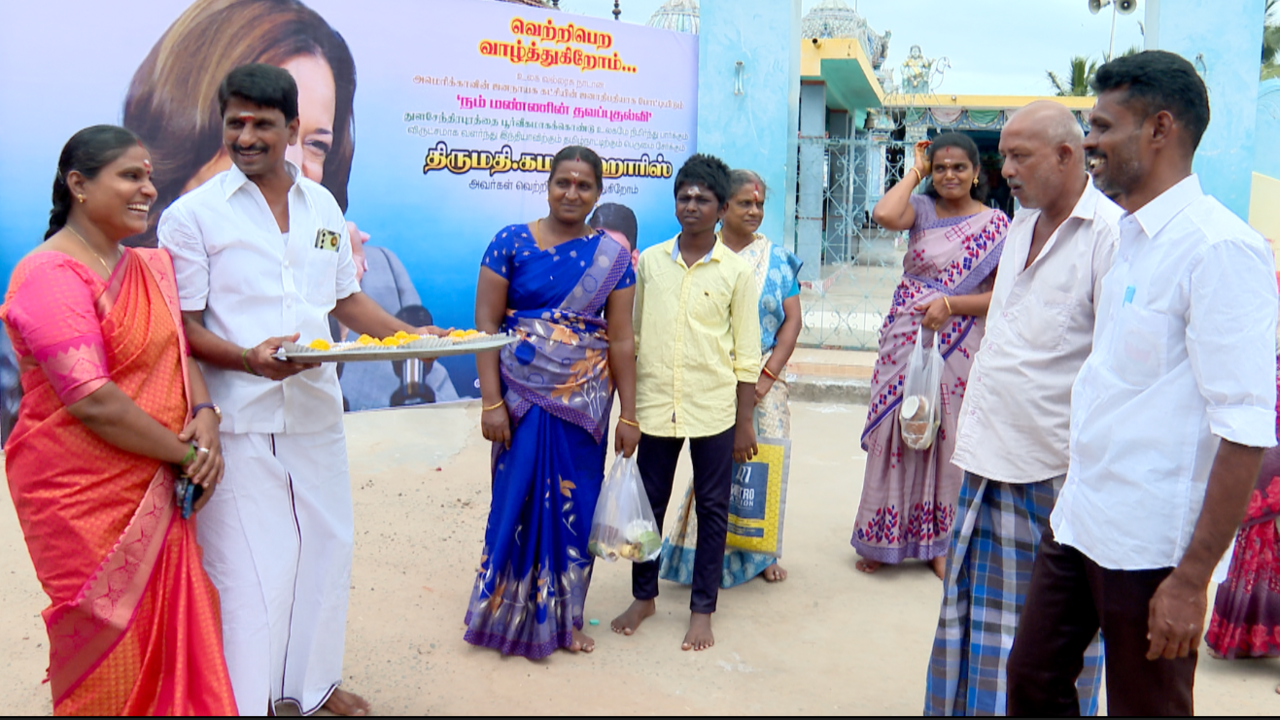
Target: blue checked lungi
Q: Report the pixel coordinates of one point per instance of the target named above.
(997, 530)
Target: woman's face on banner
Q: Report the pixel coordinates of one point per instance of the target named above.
(317, 97)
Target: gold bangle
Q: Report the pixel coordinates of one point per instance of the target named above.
(496, 405)
(947, 302)
(632, 423)
(919, 177)
(765, 369)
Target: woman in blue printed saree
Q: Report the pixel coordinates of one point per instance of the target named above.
(776, 272)
(566, 290)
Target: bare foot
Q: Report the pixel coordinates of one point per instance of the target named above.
(774, 573)
(348, 704)
(629, 621)
(940, 566)
(868, 566)
(582, 642)
(699, 636)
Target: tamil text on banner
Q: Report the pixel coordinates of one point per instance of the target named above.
(432, 122)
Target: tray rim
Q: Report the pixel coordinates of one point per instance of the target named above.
(485, 344)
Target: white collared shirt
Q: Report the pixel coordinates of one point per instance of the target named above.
(233, 263)
(1016, 418)
(1183, 355)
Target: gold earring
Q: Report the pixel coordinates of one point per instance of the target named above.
(975, 182)
(80, 198)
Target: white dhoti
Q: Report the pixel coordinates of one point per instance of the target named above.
(277, 537)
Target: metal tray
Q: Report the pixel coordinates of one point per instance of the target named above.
(423, 348)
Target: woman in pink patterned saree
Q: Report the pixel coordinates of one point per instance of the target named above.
(909, 496)
(112, 407)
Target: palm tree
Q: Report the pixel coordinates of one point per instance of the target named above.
(1078, 80)
(1270, 43)
(1270, 35)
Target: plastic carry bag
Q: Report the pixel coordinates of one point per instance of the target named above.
(921, 412)
(623, 525)
(758, 499)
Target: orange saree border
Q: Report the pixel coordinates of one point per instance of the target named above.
(83, 632)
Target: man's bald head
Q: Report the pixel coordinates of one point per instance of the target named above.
(1053, 121)
(1042, 146)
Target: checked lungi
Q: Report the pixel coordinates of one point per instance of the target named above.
(997, 530)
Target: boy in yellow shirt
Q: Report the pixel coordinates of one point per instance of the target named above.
(698, 358)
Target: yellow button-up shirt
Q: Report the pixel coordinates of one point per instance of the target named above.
(697, 333)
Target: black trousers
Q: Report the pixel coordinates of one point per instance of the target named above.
(1069, 600)
(712, 480)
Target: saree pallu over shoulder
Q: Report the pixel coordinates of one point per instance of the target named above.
(776, 271)
(561, 362)
(133, 621)
(945, 258)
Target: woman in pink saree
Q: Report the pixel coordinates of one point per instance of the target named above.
(909, 496)
(112, 408)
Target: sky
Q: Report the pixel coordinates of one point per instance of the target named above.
(996, 47)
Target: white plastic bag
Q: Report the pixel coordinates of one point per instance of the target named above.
(920, 412)
(623, 525)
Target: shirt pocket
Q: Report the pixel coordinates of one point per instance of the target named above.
(322, 278)
(709, 307)
(1043, 319)
(1139, 348)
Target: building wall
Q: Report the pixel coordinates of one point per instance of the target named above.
(1223, 39)
(754, 130)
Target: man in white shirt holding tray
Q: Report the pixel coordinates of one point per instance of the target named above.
(1013, 430)
(263, 256)
(1169, 415)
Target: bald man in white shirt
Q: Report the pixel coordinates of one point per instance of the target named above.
(1013, 428)
(1169, 414)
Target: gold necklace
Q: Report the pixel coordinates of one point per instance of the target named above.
(536, 231)
(89, 247)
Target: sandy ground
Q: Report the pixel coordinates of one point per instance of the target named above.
(830, 640)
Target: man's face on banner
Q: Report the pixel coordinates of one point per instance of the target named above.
(317, 97)
(256, 138)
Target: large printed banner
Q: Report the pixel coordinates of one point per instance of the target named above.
(433, 122)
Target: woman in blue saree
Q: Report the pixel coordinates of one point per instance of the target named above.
(566, 290)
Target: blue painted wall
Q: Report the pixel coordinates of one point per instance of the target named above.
(1266, 156)
(1223, 39)
(812, 159)
(754, 130)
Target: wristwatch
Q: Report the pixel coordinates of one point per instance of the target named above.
(216, 410)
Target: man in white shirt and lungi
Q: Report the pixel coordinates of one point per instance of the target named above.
(1012, 437)
(1169, 415)
(263, 256)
